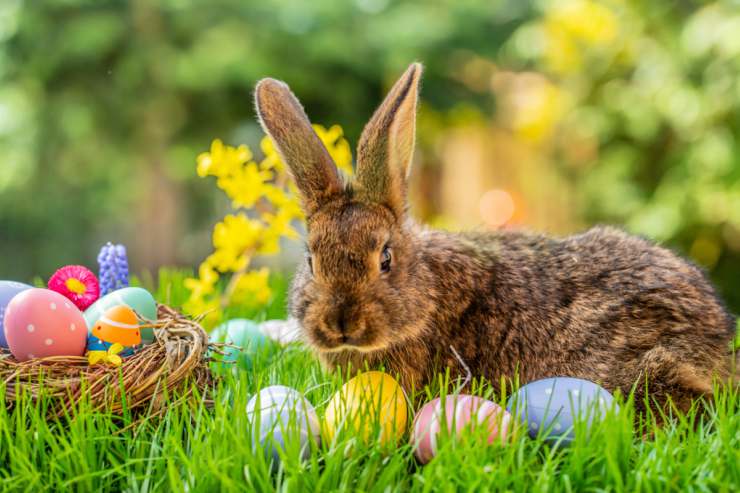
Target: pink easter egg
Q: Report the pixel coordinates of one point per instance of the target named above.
(456, 414)
(41, 323)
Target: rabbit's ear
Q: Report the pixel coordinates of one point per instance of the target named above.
(282, 117)
(387, 144)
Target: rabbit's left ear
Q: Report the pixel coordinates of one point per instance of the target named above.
(386, 145)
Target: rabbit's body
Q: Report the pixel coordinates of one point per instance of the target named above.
(603, 306)
(378, 290)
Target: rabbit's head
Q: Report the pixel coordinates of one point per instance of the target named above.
(358, 286)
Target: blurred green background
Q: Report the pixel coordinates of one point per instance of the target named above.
(549, 115)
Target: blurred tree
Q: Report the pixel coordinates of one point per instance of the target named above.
(624, 111)
(105, 104)
(647, 121)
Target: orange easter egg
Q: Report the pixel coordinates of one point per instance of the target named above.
(118, 324)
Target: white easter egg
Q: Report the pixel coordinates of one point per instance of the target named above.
(279, 414)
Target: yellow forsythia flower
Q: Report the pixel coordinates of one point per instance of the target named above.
(205, 283)
(272, 158)
(337, 145)
(245, 186)
(252, 289)
(222, 160)
(234, 241)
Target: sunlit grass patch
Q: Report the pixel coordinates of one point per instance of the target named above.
(194, 445)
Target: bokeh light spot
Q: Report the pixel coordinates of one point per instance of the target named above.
(496, 207)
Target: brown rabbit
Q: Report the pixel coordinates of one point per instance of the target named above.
(377, 289)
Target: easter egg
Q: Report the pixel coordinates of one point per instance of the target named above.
(41, 323)
(118, 324)
(282, 331)
(248, 336)
(8, 290)
(279, 414)
(371, 404)
(550, 407)
(137, 298)
(455, 414)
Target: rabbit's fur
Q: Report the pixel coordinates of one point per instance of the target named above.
(602, 305)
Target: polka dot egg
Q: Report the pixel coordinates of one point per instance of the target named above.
(41, 323)
(456, 414)
(552, 406)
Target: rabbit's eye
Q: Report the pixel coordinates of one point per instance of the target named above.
(385, 259)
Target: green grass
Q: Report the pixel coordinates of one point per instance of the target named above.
(197, 448)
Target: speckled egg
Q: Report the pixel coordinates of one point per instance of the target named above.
(371, 405)
(456, 414)
(41, 323)
(139, 299)
(550, 407)
(8, 290)
(279, 414)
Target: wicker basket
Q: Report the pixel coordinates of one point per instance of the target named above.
(176, 363)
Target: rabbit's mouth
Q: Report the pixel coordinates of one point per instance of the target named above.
(332, 341)
(350, 347)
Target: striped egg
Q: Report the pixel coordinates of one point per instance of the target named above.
(280, 415)
(456, 413)
(137, 298)
(118, 324)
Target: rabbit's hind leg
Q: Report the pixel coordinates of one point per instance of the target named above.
(664, 377)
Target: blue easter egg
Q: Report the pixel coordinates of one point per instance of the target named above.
(279, 414)
(550, 407)
(8, 290)
(248, 336)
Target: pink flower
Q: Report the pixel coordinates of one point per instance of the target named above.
(77, 283)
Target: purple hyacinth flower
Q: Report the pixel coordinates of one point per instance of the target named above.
(113, 263)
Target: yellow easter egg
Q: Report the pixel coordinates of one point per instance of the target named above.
(372, 405)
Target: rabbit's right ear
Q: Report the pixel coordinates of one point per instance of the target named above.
(283, 118)
(386, 145)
